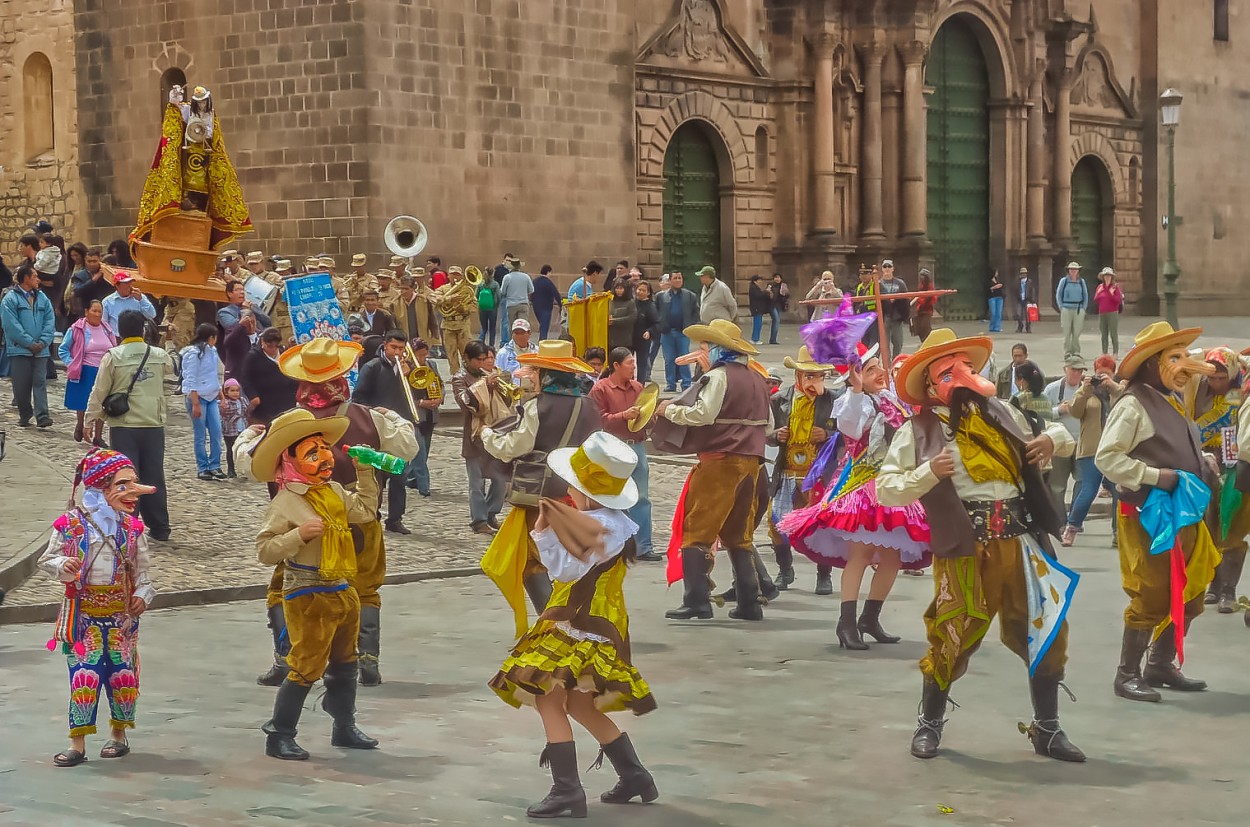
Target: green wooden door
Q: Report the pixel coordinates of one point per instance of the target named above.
(691, 203)
(1087, 219)
(959, 168)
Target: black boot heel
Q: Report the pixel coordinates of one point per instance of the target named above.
(847, 631)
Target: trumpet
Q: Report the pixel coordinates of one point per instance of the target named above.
(507, 388)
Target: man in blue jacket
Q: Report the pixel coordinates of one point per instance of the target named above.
(29, 324)
(1072, 298)
(678, 308)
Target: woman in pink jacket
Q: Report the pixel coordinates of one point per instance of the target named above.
(82, 349)
(1109, 299)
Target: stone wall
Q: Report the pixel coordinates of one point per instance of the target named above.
(39, 175)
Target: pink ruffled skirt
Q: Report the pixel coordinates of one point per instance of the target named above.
(825, 532)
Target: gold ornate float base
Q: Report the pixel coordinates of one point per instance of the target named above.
(175, 259)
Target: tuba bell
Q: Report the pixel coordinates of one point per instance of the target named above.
(405, 236)
(474, 276)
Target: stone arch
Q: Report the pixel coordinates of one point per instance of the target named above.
(1091, 144)
(762, 163)
(170, 77)
(737, 162)
(995, 43)
(38, 96)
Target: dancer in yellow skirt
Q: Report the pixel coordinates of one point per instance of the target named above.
(574, 663)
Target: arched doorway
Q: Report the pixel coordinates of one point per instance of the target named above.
(959, 167)
(1089, 217)
(692, 197)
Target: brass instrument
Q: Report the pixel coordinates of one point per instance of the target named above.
(456, 300)
(426, 379)
(474, 276)
(507, 388)
(405, 236)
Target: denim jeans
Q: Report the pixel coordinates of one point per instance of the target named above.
(640, 512)
(418, 475)
(544, 322)
(775, 314)
(1090, 481)
(206, 435)
(30, 386)
(757, 327)
(996, 314)
(643, 355)
(653, 354)
(490, 322)
(483, 504)
(675, 344)
(4, 361)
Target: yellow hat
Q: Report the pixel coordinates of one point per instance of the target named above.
(805, 362)
(1155, 338)
(292, 428)
(555, 354)
(646, 403)
(319, 360)
(910, 381)
(721, 332)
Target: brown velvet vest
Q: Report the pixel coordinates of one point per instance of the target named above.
(746, 401)
(951, 530)
(1175, 443)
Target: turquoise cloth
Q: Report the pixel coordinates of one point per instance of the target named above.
(1166, 513)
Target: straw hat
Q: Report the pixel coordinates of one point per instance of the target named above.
(805, 362)
(720, 332)
(555, 354)
(600, 468)
(319, 360)
(646, 407)
(910, 381)
(289, 429)
(1155, 338)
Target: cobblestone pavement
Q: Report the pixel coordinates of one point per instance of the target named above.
(766, 723)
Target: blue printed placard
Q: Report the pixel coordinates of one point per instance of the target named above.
(315, 311)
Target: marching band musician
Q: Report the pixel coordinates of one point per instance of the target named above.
(455, 300)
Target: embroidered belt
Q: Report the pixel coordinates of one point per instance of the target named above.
(103, 601)
(998, 519)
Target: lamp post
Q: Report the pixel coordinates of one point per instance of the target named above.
(1170, 111)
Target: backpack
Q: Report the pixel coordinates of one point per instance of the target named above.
(486, 299)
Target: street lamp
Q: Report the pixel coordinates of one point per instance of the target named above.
(1170, 111)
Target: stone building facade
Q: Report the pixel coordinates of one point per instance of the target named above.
(787, 135)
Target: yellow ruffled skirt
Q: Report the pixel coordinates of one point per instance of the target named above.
(550, 658)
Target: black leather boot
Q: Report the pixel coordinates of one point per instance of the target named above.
(696, 601)
(785, 566)
(746, 585)
(634, 781)
(1047, 736)
(1129, 683)
(929, 721)
(369, 645)
(538, 587)
(848, 630)
(1161, 668)
(566, 797)
(824, 580)
(282, 727)
(870, 623)
(281, 646)
(340, 703)
(768, 590)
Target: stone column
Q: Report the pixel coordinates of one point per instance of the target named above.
(1061, 186)
(1035, 206)
(825, 219)
(871, 226)
(916, 136)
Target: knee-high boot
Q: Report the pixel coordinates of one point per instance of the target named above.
(1161, 668)
(1047, 736)
(281, 646)
(566, 796)
(746, 584)
(768, 590)
(785, 565)
(1128, 678)
(538, 587)
(340, 703)
(930, 721)
(282, 727)
(696, 597)
(369, 645)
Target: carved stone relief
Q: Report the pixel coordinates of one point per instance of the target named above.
(697, 35)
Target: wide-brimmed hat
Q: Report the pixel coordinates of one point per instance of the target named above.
(601, 468)
(910, 381)
(646, 403)
(720, 332)
(1155, 338)
(320, 360)
(289, 429)
(555, 354)
(1073, 265)
(805, 362)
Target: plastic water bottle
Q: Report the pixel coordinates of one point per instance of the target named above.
(384, 462)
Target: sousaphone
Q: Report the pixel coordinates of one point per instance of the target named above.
(405, 236)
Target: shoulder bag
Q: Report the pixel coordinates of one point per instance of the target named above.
(118, 403)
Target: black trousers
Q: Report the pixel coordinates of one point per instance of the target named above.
(146, 449)
(396, 496)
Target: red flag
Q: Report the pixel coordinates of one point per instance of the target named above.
(674, 570)
(1178, 599)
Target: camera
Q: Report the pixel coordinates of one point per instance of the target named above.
(1096, 380)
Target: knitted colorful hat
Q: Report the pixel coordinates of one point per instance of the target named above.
(98, 467)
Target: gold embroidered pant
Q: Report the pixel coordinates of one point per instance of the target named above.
(273, 594)
(323, 627)
(969, 592)
(1147, 578)
(721, 502)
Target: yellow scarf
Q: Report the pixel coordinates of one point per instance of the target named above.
(799, 453)
(338, 553)
(984, 451)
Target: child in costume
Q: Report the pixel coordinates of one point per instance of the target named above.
(99, 551)
(306, 528)
(574, 663)
(850, 528)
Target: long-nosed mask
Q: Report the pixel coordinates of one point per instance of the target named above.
(956, 371)
(1177, 367)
